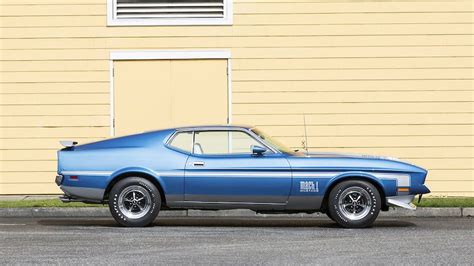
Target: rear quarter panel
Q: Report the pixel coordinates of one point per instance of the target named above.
(104, 161)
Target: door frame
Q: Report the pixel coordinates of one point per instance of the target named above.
(168, 55)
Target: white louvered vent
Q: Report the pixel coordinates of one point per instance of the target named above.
(169, 9)
(169, 12)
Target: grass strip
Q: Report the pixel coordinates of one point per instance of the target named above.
(445, 202)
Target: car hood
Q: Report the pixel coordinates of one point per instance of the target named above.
(347, 155)
(347, 161)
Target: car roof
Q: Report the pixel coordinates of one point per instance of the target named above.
(213, 127)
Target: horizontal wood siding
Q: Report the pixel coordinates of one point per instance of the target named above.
(376, 77)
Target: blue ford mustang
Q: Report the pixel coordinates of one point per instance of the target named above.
(229, 167)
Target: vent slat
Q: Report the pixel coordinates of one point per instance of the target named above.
(169, 10)
(172, 5)
(173, 16)
(137, 9)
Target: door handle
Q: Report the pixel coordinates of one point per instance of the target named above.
(198, 163)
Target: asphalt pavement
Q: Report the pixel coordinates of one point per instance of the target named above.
(249, 241)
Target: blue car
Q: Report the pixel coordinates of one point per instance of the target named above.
(231, 167)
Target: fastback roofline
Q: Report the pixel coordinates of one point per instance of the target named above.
(214, 127)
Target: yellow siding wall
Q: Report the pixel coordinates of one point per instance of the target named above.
(377, 77)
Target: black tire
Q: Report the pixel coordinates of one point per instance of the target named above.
(349, 213)
(328, 214)
(126, 206)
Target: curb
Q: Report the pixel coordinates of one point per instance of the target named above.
(83, 212)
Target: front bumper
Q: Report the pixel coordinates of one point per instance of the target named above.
(404, 201)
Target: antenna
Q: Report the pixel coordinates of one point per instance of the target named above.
(305, 142)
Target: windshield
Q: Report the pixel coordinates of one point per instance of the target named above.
(273, 142)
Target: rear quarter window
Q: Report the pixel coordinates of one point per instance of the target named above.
(183, 141)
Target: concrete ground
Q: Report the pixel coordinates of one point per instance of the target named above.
(231, 240)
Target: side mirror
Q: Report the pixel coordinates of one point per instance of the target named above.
(257, 150)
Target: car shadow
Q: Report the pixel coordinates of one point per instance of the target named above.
(222, 222)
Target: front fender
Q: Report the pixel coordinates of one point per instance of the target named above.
(385, 185)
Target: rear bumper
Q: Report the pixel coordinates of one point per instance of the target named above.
(59, 180)
(81, 188)
(84, 193)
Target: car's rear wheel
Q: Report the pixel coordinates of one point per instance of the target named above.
(134, 202)
(354, 204)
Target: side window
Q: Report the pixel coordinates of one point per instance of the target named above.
(183, 141)
(223, 142)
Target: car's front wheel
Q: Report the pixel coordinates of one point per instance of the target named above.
(134, 202)
(328, 214)
(354, 203)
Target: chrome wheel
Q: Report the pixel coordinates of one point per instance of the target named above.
(134, 202)
(355, 203)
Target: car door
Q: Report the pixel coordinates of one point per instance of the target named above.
(222, 169)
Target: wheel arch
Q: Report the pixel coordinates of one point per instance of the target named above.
(372, 180)
(135, 173)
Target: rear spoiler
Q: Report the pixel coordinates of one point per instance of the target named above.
(68, 143)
